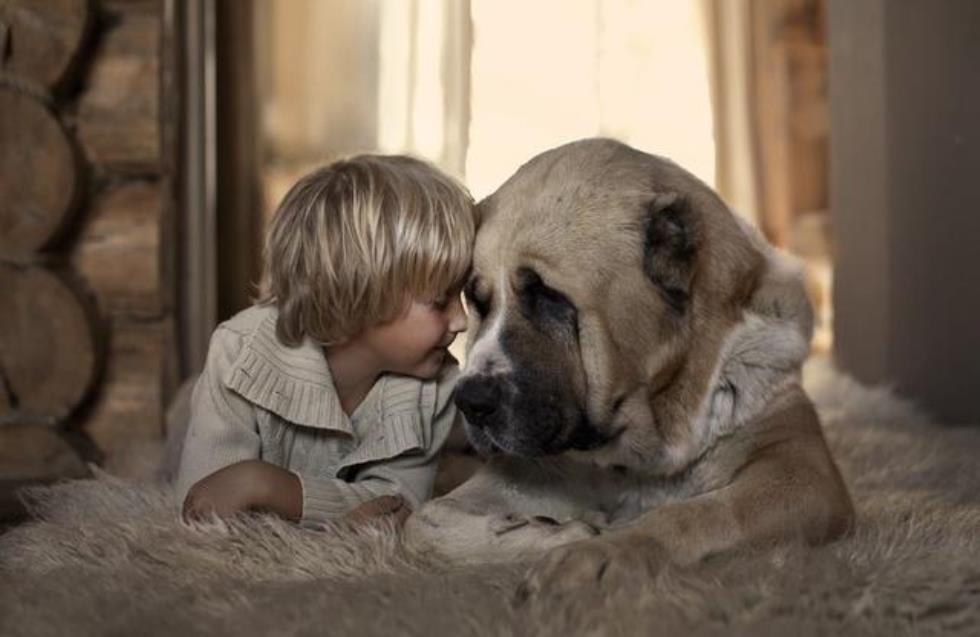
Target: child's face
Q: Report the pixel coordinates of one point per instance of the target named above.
(416, 343)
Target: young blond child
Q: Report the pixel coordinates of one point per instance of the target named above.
(331, 396)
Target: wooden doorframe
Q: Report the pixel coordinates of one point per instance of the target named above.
(218, 222)
(193, 24)
(238, 194)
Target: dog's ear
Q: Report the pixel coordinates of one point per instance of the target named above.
(671, 241)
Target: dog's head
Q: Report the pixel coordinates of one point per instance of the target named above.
(606, 286)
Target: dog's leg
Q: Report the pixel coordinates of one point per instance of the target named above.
(787, 490)
(500, 515)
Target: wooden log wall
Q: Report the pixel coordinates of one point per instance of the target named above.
(86, 209)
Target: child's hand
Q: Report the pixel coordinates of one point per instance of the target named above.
(245, 486)
(393, 507)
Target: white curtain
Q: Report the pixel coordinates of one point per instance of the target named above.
(423, 81)
(480, 86)
(551, 71)
(729, 42)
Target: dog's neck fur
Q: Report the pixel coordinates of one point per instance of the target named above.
(756, 360)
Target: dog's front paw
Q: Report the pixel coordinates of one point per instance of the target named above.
(518, 536)
(447, 530)
(430, 529)
(551, 532)
(602, 564)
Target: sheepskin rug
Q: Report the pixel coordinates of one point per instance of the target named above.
(107, 557)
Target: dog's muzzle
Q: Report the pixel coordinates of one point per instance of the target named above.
(480, 398)
(502, 416)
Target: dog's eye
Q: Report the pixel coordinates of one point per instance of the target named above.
(475, 299)
(542, 303)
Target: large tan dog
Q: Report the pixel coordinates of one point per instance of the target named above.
(634, 375)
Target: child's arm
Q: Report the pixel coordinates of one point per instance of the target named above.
(220, 472)
(243, 486)
(391, 507)
(221, 434)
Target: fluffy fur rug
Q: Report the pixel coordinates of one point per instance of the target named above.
(107, 557)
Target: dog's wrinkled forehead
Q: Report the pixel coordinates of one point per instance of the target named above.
(549, 217)
(586, 195)
(558, 186)
(577, 217)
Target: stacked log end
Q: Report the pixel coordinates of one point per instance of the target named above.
(85, 329)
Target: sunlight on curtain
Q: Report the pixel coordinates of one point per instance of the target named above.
(731, 51)
(410, 76)
(423, 80)
(410, 108)
(637, 71)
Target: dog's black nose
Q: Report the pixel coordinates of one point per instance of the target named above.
(479, 399)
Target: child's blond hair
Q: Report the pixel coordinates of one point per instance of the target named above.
(352, 242)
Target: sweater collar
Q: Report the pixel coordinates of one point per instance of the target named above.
(293, 382)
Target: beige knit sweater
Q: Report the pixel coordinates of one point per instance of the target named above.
(260, 399)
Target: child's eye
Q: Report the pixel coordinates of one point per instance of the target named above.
(440, 303)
